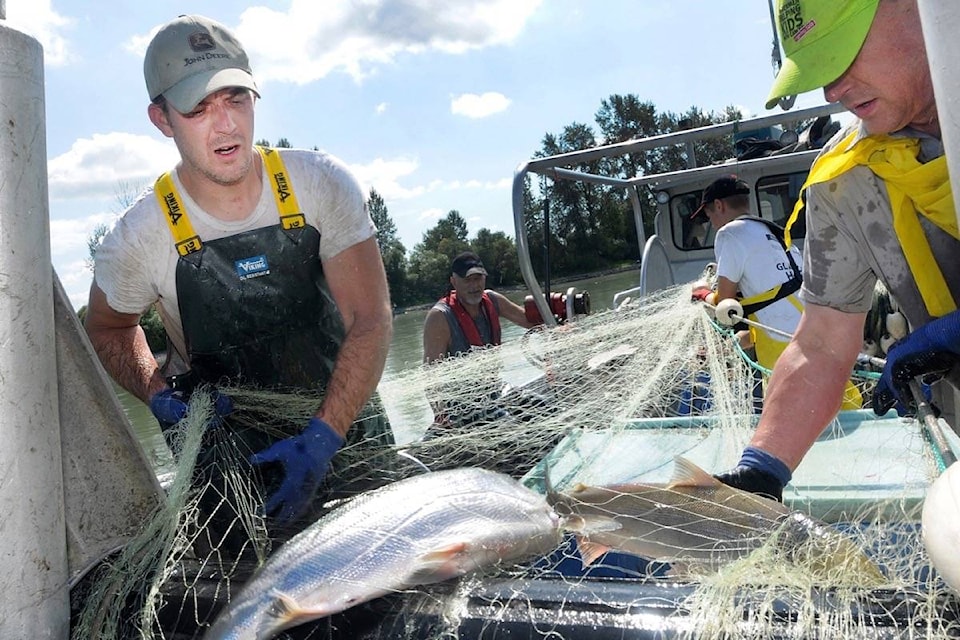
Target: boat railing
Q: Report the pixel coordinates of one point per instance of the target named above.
(557, 167)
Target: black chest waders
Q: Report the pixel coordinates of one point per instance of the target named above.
(257, 311)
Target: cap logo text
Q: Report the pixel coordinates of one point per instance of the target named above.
(210, 55)
(804, 30)
(791, 19)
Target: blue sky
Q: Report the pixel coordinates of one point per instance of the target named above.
(432, 103)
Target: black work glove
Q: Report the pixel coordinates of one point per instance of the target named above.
(753, 481)
(893, 388)
(758, 472)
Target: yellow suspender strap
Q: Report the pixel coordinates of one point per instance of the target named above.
(291, 217)
(185, 238)
(768, 297)
(913, 189)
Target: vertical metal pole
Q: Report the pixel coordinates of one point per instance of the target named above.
(941, 23)
(546, 250)
(941, 20)
(33, 556)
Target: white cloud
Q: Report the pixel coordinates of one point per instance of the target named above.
(38, 19)
(137, 44)
(381, 108)
(69, 251)
(456, 185)
(472, 105)
(384, 176)
(67, 235)
(98, 167)
(318, 38)
(431, 214)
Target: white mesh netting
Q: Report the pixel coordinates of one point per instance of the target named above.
(612, 398)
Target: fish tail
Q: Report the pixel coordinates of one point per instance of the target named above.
(827, 553)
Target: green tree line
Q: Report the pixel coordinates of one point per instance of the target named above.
(591, 227)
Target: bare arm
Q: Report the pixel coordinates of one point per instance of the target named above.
(122, 347)
(808, 380)
(511, 310)
(359, 287)
(436, 336)
(726, 288)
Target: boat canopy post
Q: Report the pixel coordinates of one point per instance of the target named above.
(523, 248)
(33, 561)
(941, 23)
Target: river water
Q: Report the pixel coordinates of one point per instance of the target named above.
(406, 352)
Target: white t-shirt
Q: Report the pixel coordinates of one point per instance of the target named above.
(750, 255)
(136, 262)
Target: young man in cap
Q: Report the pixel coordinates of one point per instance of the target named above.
(469, 315)
(262, 264)
(753, 265)
(878, 205)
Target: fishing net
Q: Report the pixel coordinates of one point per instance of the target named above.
(611, 398)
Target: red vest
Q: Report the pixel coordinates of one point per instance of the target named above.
(467, 323)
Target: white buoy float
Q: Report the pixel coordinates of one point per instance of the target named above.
(886, 342)
(941, 525)
(896, 325)
(729, 312)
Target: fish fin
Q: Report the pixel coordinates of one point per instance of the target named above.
(437, 564)
(289, 613)
(587, 524)
(444, 553)
(590, 551)
(687, 474)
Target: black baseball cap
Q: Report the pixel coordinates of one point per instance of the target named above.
(719, 189)
(467, 264)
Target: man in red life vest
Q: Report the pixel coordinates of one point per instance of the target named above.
(469, 315)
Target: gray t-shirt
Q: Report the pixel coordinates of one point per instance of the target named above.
(136, 263)
(850, 241)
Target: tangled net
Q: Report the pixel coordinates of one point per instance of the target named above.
(611, 398)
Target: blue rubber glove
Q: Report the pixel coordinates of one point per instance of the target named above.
(928, 353)
(305, 458)
(758, 472)
(169, 406)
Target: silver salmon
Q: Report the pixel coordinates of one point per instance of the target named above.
(697, 520)
(416, 531)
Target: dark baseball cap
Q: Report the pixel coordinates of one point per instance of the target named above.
(467, 264)
(719, 189)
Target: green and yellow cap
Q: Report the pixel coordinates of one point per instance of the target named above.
(820, 40)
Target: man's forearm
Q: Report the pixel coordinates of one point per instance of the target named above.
(356, 374)
(126, 356)
(804, 394)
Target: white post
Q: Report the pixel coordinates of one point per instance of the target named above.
(941, 23)
(33, 559)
